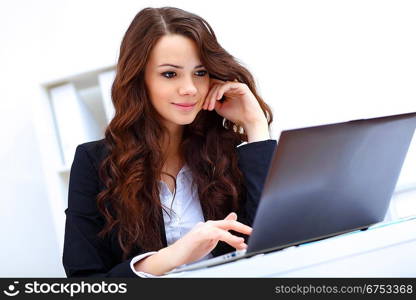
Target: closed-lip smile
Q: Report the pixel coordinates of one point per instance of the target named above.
(185, 107)
(185, 104)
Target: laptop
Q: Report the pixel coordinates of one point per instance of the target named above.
(324, 181)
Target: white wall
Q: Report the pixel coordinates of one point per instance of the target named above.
(314, 61)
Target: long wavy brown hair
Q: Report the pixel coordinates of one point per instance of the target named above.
(133, 166)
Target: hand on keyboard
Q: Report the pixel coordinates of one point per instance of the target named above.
(204, 237)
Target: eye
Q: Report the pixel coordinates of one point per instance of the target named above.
(168, 74)
(201, 73)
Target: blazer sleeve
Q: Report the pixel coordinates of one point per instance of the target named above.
(253, 161)
(84, 254)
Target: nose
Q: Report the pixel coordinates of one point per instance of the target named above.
(187, 87)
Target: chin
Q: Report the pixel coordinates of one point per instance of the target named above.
(186, 121)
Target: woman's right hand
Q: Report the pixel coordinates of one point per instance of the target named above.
(194, 245)
(204, 237)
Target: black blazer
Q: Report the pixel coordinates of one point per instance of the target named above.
(85, 255)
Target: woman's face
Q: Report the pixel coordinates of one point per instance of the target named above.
(176, 80)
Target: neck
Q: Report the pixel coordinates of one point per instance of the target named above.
(171, 144)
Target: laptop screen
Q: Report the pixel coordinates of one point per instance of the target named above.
(330, 179)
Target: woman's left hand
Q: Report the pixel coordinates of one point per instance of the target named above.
(240, 106)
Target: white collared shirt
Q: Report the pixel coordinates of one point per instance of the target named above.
(185, 214)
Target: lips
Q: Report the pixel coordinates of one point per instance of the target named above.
(185, 104)
(184, 107)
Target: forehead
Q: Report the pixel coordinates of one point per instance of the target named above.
(174, 49)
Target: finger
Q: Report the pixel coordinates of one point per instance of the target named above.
(231, 216)
(241, 246)
(213, 99)
(229, 238)
(224, 88)
(232, 225)
(208, 97)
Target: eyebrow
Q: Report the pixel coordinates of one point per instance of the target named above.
(178, 67)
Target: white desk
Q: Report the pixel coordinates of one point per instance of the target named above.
(384, 250)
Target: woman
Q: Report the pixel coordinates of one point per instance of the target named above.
(169, 180)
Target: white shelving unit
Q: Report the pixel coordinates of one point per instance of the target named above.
(72, 110)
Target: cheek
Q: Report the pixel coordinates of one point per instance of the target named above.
(161, 93)
(204, 89)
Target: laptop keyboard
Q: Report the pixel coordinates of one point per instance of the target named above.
(209, 262)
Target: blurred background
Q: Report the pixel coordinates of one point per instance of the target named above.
(315, 62)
